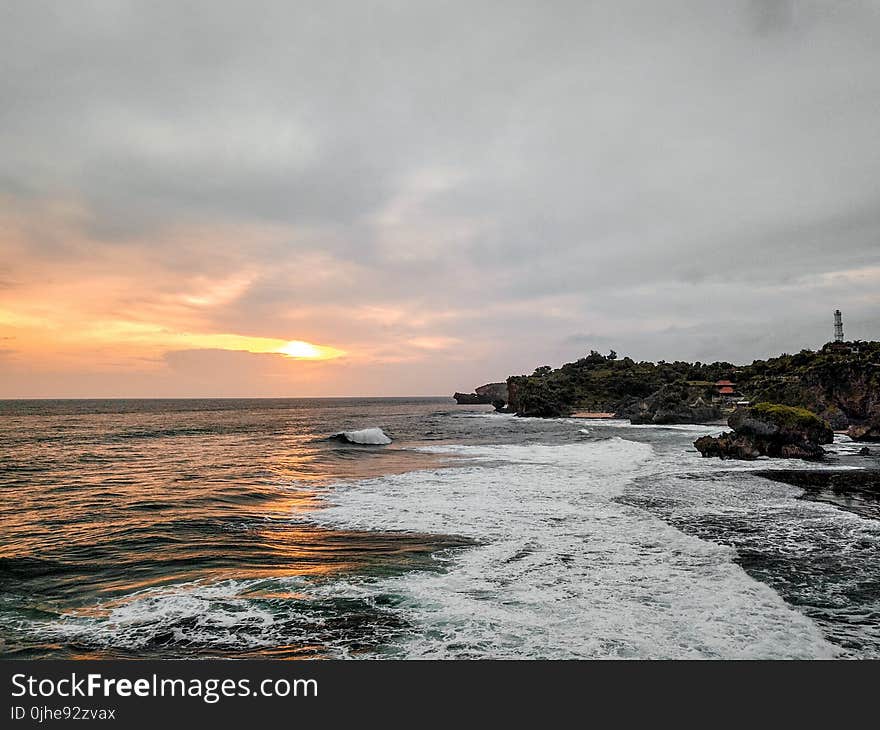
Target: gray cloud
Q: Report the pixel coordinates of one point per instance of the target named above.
(648, 172)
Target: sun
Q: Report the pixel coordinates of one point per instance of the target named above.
(298, 348)
(307, 351)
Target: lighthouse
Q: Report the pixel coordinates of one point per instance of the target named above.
(838, 326)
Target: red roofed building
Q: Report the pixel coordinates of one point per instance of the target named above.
(726, 389)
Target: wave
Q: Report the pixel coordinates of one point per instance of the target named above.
(818, 557)
(365, 436)
(280, 617)
(705, 428)
(22, 568)
(563, 569)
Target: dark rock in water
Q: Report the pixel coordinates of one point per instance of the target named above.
(805, 450)
(854, 490)
(499, 405)
(484, 395)
(840, 480)
(864, 451)
(470, 399)
(727, 446)
(785, 424)
(867, 432)
(767, 429)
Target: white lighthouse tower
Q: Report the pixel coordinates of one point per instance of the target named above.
(838, 326)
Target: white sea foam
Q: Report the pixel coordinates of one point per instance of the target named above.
(227, 615)
(562, 568)
(704, 428)
(843, 444)
(365, 436)
(190, 613)
(496, 415)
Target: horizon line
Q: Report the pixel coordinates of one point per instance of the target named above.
(223, 397)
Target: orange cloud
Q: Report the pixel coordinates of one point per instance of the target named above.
(124, 305)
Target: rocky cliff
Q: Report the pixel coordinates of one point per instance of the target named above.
(840, 383)
(677, 402)
(491, 393)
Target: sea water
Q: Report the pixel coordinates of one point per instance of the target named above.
(237, 528)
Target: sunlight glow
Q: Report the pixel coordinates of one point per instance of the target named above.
(307, 351)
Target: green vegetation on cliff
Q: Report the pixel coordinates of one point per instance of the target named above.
(603, 383)
(786, 416)
(840, 383)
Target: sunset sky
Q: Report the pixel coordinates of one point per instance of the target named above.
(411, 198)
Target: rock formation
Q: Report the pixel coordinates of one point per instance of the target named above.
(835, 486)
(673, 403)
(865, 432)
(469, 399)
(490, 393)
(768, 429)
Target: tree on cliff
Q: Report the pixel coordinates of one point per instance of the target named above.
(842, 385)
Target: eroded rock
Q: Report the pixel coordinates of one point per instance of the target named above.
(768, 429)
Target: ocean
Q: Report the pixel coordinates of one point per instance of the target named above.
(237, 528)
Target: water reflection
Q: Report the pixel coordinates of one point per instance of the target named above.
(130, 529)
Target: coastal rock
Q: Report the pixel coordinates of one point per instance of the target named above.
(835, 417)
(768, 429)
(785, 424)
(727, 446)
(867, 432)
(493, 391)
(673, 403)
(800, 451)
(469, 399)
(513, 393)
(484, 395)
(854, 490)
(864, 451)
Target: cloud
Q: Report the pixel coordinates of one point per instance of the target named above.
(584, 341)
(435, 343)
(453, 183)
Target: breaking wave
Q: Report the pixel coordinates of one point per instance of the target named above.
(365, 436)
(563, 568)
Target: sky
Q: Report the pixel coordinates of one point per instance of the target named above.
(411, 198)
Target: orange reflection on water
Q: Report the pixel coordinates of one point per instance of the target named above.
(108, 509)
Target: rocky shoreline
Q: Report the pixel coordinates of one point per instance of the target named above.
(495, 394)
(838, 385)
